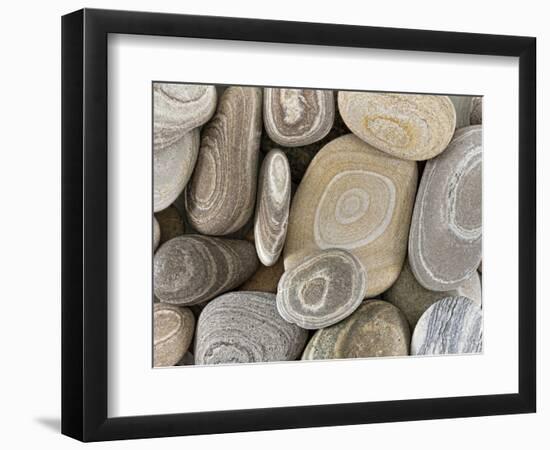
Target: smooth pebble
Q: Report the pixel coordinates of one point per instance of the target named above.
(173, 329)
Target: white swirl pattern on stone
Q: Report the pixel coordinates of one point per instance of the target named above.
(321, 291)
(173, 329)
(172, 168)
(244, 327)
(445, 236)
(179, 108)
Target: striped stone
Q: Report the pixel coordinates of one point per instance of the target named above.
(173, 329)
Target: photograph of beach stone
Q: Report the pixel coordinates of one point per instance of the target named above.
(297, 224)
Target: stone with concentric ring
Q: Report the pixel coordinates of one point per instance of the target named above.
(245, 327)
(356, 198)
(445, 236)
(173, 329)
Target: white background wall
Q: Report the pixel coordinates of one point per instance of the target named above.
(30, 226)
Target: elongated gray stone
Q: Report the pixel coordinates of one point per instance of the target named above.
(172, 168)
(296, 117)
(222, 192)
(244, 327)
(170, 224)
(156, 233)
(173, 329)
(323, 289)
(179, 108)
(272, 207)
(445, 236)
(452, 325)
(408, 126)
(192, 269)
(376, 328)
(413, 299)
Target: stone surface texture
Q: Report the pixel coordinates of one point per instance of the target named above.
(265, 279)
(463, 108)
(170, 224)
(173, 329)
(477, 109)
(156, 233)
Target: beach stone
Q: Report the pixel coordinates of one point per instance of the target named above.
(244, 327)
(445, 236)
(222, 192)
(463, 108)
(156, 233)
(172, 168)
(451, 325)
(413, 299)
(265, 279)
(170, 223)
(296, 117)
(192, 269)
(272, 207)
(477, 108)
(355, 198)
(179, 108)
(376, 328)
(322, 290)
(408, 126)
(173, 329)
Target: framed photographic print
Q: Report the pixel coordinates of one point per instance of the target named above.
(274, 224)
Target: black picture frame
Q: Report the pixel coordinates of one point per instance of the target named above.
(84, 224)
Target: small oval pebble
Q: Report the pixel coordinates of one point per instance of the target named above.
(179, 108)
(452, 325)
(272, 208)
(376, 328)
(359, 199)
(295, 117)
(170, 223)
(445, 236)
(192, 268)
(323, 289)
(413, 299)
(156, 233)
(408, 126)
(244, 327)
(172, 168)
(173, 329)
(222, 192)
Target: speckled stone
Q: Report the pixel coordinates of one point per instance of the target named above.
(156, 233)
(359, 199)
(172, 168)
(222, 192)
(179, 108)
(376, 328)
(452, 325)
(296, 117)
(463, 107)
(408, 126)
(265, 279)
(445, 236)
(413, 299)
(192, 268)
(272, 207)
(244, 327)
(173, 329)
(477, 108)
(322, 290)
(170, 223)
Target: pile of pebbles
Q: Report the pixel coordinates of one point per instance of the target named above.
(313, 224)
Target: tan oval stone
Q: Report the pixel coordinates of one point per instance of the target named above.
(355, 198)
(173, 329)
(408, 126)
(376, 328)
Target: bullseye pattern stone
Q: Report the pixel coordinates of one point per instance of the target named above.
(170, 224)
(192, 269)
(321, 291)
(452, 325)
(272, 207)
(173, 329)
(179, 108)
(413, 299)
(476, 114)
(244, 327)
(156, 233)
(356, 198)
(296, 117)
(445, 236)
(415, 127)
(376, 328)
(222, 192)
(172, 168)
